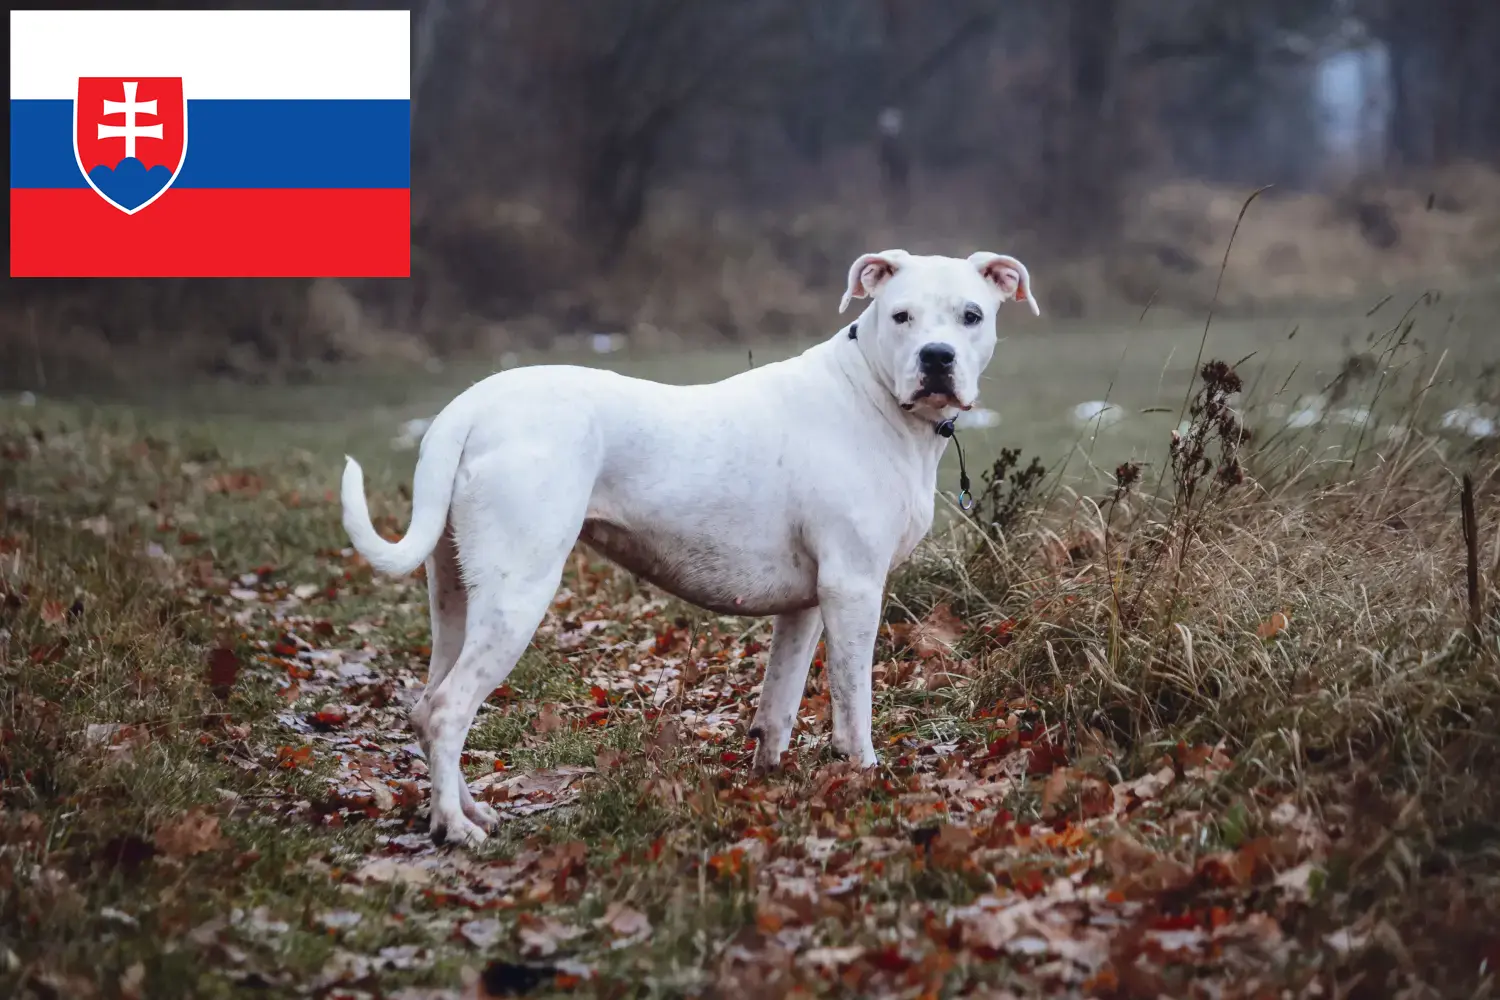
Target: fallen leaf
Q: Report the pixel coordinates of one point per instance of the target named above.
(208, 932)
(1346, 941)
(624, 922)
(548, 720)
(194, 832)
(952, 845)
(395, 871)
(102, 733)
(528, 792)
(330, 717)
(1149, 786)
(1094, 796)
(482, 934)
(340, 920)
(49, 652)
(131, 981)
(1273, 626)
(1228, 868)
(1139, 871)
(259, 922)
(668, 792)
(942, 672)
(1299, 881)
(936, 634)
(237, 481)
(344, 966)
(608, 759)
(1309, 836)
(541, 935)
(29, 826)
(404, 956)
(664, 740)
(223, 668)
(1179, 941)
(832, 958)
(1258, 930)
(385, 799)
(290, 757)
(1057, 783)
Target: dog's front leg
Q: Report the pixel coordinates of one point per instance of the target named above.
(851, 615)
(794, 637)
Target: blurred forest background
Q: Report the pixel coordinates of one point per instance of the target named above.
(703, 171)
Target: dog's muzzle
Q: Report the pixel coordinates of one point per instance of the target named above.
(935, 364)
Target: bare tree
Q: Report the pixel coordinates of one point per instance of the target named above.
(619, 78)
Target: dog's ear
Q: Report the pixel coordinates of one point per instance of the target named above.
(1007, 274)
(869, 272)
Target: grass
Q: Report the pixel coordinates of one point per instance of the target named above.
(1136, 739)
(1042, 368)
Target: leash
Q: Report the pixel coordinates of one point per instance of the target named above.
(945, 429)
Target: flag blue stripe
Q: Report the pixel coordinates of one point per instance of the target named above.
(240, 144)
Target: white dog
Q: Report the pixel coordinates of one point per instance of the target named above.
(790, 490)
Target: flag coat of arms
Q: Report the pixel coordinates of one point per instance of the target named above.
(210, 143)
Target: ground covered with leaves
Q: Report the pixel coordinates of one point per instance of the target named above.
(1229, 737)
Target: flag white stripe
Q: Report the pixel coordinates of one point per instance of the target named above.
(220, 54)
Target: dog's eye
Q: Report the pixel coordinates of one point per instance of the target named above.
(901, 317)
(972, 316)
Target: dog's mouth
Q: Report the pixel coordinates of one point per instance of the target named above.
(938, 397)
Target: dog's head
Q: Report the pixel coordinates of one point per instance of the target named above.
(931, 330)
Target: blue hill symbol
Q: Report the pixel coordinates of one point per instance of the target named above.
(130, 184)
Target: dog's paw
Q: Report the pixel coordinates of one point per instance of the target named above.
(861, 752)
(769, 746)
(766, 760)
(478, 812)
(457, 830)
(482, 814)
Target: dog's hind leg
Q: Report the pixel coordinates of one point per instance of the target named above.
(512, 569)
(448, 606)
(794, 638)
(448, 603)
(500, 625)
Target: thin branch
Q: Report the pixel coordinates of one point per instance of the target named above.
(1471, 551)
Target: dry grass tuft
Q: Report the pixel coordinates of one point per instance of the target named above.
(1309, 619)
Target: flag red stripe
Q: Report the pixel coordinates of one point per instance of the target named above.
(200, 233)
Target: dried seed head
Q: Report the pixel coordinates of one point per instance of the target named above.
(1219, 377)
(1230, 473)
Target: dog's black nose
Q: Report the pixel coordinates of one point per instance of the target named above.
(937, 355)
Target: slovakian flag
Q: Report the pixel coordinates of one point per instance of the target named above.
(178, 143)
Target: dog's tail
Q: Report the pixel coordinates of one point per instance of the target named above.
(432, 491)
